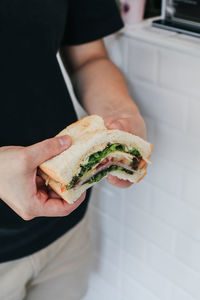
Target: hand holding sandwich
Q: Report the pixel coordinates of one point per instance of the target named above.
(22, 189)
(94, 152)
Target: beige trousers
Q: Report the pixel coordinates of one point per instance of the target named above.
(57, 272)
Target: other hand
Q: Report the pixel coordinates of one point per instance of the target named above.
(22, 189)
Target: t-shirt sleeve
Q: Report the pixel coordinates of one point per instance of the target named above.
(89, 20)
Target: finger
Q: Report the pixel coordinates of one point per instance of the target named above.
(54, 207)
(122, 124)
(47, 149)
(108, 120)
(118, 182)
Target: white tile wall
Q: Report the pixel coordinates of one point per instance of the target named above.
(149, 228)
(162, 106)
(178, 294)
(192, 123)
(187, 250)
(132, 290)
(186, 72)
(148, 278)
(191, 191)
(144, 61)
(146, 239)
(173, 269)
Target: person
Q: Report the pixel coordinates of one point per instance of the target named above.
(44, 243)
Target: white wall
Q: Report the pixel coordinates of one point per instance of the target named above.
(147, 238)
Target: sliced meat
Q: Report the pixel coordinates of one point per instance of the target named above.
(103, 162)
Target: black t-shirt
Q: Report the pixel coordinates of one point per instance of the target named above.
(35, 103)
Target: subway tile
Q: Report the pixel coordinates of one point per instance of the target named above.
(150, 228)
(179, 294)
(192, 125)
(107, 201)
(106, 270)
(160, 104)
(191, 192)
(180, 71)
(116, 46)
(133, 243)
(101, 289)
(182, 150)
(149, 279)
(132, 290)
(169, 267)
(188, 251)
(176, 213)
(167, 208)
(144, 61)
(138, 195)
(105, 247)
(165, 174)
(104, 225)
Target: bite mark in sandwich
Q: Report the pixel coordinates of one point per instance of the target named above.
(102, 162)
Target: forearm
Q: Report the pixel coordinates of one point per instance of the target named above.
(102, 89)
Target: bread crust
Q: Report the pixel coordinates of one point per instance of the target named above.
(89, 135)
(151, 150)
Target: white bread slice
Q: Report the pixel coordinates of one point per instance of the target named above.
(88, 136)
(72, 195)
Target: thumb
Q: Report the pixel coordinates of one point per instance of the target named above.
(47, 149)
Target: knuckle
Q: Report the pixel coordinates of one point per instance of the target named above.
(52, 145)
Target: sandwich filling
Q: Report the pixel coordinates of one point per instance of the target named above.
(100, 163)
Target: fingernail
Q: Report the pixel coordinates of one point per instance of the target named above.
(65, 141)
(115, 125)
(107, 124)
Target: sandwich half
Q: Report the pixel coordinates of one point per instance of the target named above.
(95, 153)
